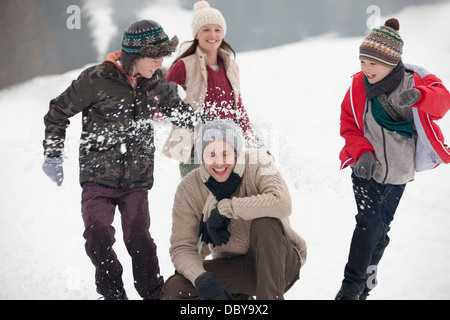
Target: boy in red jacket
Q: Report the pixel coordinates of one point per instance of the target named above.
(387, 122)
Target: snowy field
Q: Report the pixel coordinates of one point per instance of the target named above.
(293, 95)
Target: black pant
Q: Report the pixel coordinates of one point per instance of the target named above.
(376, 204)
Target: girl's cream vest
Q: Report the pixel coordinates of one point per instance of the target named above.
(181, 141)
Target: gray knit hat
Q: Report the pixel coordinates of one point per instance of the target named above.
(145, 39)
(225, 130)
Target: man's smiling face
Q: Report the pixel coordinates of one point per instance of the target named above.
(220, 159)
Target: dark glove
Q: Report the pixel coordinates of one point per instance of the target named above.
(171, 90)
(207, 118)
(203, 231)
(217, 228)
(365, 167)
(409, 97)
(53, 168)
(208, 288)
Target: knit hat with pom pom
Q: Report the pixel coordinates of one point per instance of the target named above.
(204, 14)
(383, 45)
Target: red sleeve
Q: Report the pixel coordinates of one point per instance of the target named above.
(177, 73)
(351, 128)
(434, 97)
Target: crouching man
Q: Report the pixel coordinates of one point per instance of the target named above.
(235, 206)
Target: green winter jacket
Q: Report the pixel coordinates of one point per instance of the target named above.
(117, 145)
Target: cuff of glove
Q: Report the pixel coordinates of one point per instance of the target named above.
(54, 160)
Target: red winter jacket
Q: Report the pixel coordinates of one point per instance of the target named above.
(433, 104)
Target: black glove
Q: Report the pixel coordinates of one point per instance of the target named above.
(208, 288)
(203, 231)
(409, 97)
(217, 228)
(365, 167)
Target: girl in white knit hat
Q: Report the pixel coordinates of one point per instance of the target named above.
(211, 79)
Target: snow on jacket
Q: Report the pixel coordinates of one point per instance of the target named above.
(116, 146)
(192, 72)
(262, 193)
(432, 105)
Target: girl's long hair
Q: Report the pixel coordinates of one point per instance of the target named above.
(193, 48)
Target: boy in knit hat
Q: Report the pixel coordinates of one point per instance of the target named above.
(238, 204)
(118, 99)
(387, 123)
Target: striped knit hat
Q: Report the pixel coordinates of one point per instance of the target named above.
(145, 39)
(383, 45)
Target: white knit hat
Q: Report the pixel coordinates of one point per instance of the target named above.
(204, 14)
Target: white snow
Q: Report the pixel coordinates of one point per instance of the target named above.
(101, 24)
(293, 95)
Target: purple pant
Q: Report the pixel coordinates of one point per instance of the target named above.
(98, 206)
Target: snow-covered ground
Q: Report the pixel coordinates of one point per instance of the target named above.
(293, 95)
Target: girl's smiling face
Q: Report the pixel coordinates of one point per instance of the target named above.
(210, 37)
(220, 159)
(374, 72)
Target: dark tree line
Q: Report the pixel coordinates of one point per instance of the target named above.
(35, 39)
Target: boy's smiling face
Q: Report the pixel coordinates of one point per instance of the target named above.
(374, 72)
(146, 66)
